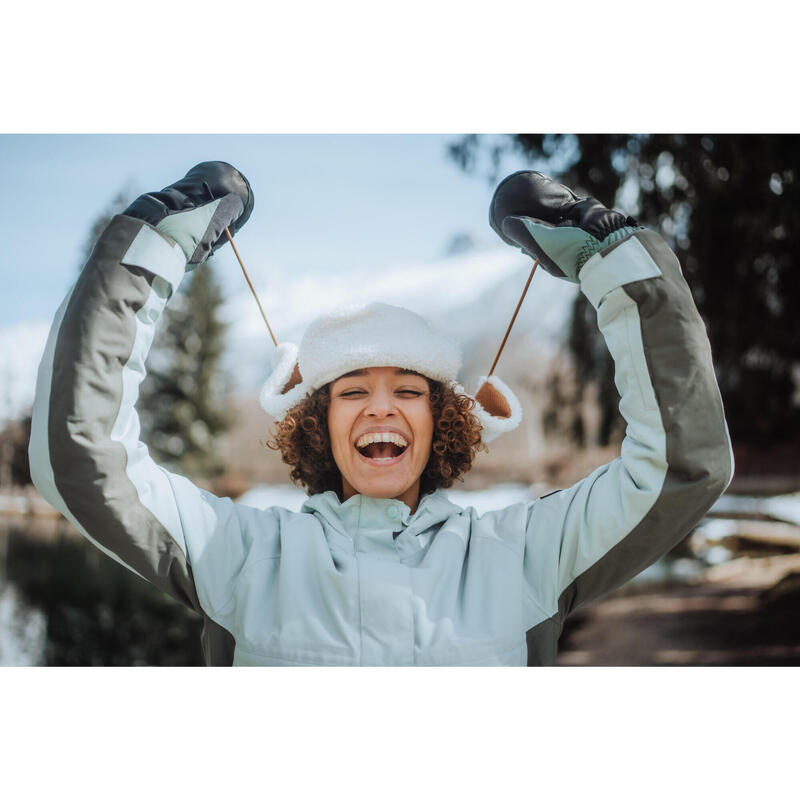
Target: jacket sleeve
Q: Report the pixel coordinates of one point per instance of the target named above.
(85, 453)
(676, 457)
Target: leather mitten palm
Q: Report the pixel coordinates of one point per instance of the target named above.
(549, 222)
(195, 210)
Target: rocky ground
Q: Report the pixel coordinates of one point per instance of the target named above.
(742, 613)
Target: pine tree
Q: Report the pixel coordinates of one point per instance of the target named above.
(727, 204)
(183, 400)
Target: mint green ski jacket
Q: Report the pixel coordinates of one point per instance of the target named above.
(366, 582)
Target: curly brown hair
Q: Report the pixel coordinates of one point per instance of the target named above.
(303, 441)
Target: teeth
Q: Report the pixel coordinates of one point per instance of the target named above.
(371, 438)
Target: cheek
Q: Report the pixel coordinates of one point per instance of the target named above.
(340, 423)
(424, 431)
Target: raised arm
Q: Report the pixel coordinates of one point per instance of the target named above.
(676, 456)
(85, 453)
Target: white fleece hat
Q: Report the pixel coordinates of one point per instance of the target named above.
(379, 335)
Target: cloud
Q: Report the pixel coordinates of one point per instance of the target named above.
(471, 296)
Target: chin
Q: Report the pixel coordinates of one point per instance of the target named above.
(385, 488)
(382, 490)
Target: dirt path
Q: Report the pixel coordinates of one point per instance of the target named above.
(744, 613)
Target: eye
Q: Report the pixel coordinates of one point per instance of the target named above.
(352, 393)
(410, 392)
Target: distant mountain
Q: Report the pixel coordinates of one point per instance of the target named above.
(471, 296)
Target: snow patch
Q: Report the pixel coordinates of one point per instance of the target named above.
(785, 508)
(493, 499)
(292, 498)
(266, 496)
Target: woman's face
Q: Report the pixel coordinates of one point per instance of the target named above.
(381, 428)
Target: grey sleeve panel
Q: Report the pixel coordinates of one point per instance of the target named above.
(676, 430)
(86, 457)
(542, 642)
(218, 644)
(699, 457)
(94, 344)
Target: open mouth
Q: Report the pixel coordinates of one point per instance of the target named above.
(381, 449)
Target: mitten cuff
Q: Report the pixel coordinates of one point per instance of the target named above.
(593, 245)
(614, 267)
(157, 253)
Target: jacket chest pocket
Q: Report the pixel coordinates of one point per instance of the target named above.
(301, 609)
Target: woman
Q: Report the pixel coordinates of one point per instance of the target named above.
(353, 426)
(379, 567)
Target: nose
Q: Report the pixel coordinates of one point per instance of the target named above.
(381, 403)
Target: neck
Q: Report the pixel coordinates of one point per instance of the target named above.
(410, 496)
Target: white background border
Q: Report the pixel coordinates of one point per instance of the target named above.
(416, 68)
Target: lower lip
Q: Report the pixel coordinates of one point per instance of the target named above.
(384, 462)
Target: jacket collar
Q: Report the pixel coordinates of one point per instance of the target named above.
(361, 512)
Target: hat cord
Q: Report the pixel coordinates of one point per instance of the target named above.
(275, 342)
(247, 278)
(511, 324)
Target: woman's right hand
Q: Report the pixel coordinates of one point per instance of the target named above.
(195, 210)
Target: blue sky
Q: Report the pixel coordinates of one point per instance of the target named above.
(343, 203)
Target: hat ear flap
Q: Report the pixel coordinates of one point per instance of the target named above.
(492, 401)
(496, 408)
(284, 387)
(294, 379)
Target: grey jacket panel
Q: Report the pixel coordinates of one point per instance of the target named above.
(542, 642)
(95, 341)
